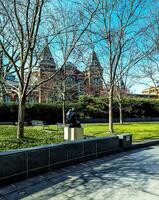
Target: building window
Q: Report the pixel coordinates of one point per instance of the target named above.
(70, 79)
(96, 81)
(7, 99)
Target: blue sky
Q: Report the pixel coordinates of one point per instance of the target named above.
(139, 84)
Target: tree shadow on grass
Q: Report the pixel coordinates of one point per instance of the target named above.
(10, 143)
(13, 143)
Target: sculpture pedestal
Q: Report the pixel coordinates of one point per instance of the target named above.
(73, 133)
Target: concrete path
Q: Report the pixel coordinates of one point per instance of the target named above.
(133, 175)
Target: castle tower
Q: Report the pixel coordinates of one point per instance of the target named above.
(93, 76)
(47, 67)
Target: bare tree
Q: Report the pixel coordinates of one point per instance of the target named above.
(150, 65)
(66, 86)
(70, 24)
(122, 88)
(117, 28)
(1, 76)
(22, 39)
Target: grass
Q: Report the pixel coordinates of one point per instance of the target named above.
(36, 136)
(140, 131)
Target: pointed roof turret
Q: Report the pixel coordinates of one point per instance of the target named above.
(93, 61)
(122, 85)
(47, 60)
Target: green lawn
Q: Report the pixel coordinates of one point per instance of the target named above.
(140, 131)
(36, 136)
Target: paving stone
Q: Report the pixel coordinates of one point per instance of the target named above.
(2, 198)
(7, 189)
(13, 196)
(36, 179)
(22, 184)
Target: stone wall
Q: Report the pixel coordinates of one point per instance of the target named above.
(21, 164)
(105, 120)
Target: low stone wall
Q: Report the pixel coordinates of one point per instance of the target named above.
(20, 164)
(105, 120)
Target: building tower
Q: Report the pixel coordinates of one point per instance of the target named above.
(47, 67)
(94, 76)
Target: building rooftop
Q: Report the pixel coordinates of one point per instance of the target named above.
(47, 58)
(93, 61)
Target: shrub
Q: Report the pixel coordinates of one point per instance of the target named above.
(95, 107)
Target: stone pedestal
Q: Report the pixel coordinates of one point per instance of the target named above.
(125, 141)
(73, 133)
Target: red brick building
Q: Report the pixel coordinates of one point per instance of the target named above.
(70, 80)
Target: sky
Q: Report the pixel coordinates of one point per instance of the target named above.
(139, 84)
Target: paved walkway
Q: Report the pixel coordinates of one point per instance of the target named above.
(133, 175)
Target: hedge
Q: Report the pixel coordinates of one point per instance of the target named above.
(86, 105)
(51, 113)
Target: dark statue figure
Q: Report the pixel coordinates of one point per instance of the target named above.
(71, 119)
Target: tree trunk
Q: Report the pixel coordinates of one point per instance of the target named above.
(120, 113)
(40, 95)
(1, 93)
(111, 110)
(63, 113)
(64, 99)
(21, 116)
